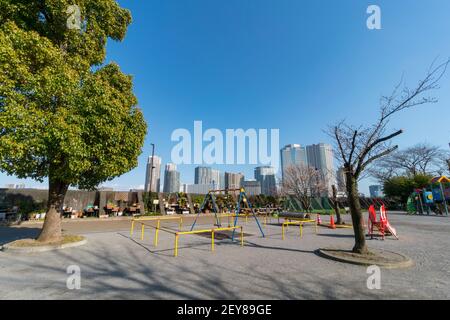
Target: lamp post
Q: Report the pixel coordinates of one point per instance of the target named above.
(151, 168)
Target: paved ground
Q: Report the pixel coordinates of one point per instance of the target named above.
(113, 265)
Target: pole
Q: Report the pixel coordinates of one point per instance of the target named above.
(444, 201)
(151, 167)
(151, 174)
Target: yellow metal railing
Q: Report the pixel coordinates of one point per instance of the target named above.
(299, 223)
(158, 219)
(212, 231)
(180, 219)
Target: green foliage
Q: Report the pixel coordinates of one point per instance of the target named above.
(62, 114)
(147, 198)
(197, 199)
(402, 186)
(262, 200)
(182, 200)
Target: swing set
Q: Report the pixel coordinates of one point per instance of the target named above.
(242, 205)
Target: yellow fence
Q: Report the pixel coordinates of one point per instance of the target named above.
(299, 223)
(212, 231)
(158, 228)
(158, 222)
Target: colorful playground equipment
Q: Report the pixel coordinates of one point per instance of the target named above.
(242, 205)
(434, 198)
(145, 223)
(382, 225)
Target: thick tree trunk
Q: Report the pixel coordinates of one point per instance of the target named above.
(357, 218)
(51, 231)
(336, 205)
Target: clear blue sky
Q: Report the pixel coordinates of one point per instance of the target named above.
(295, 65)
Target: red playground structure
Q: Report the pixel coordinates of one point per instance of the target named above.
(382, 226)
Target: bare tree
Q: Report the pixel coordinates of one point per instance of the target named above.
(303, 182)
(335, 203)
(359, 146)
(419, 159)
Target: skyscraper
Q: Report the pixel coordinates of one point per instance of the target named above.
(266, 177)
(292, 154)
(233, 180)
(320, 156)
(252, 188)
(340, 180)
(171, 178)
(156, 176)
(207, 175)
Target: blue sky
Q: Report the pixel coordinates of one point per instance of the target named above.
(293, 65)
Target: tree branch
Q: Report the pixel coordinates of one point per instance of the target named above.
(372, 159)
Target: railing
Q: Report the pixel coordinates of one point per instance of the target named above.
(158, 228)
(212, 231)
(158, 219)
(300, 223)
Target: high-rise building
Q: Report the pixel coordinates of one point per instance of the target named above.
(340, 180)
(266, 177)
(171, 178)
(320, 156)
(207, 175)
(376, 191)
(197, 188)
(233, 180)
(292, 154)
(252, 188)
(156, 174)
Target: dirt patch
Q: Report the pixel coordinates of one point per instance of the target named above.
(67, 239)
(381, 258)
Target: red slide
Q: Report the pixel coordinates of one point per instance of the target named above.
(387, 225)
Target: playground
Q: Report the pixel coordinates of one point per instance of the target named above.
(117, 265)
(244, 253)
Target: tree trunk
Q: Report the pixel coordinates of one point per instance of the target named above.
(336, 205)
(51, 231)
(357, 218)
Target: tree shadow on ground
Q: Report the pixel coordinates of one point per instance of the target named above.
(336, 235)
(9, 234)
(114, 270)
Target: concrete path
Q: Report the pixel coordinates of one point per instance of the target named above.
(115, 266)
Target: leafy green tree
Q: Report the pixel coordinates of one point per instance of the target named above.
(64, 114)
(401, 187)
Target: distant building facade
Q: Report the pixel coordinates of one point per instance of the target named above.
(156, 174)
(208, 175)
(197, 188)
(292, 154)
(340, 180)
(252, 188)
(320, 156)
(233, 180)
(265, 175)
(171, 178)
(15, 186)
